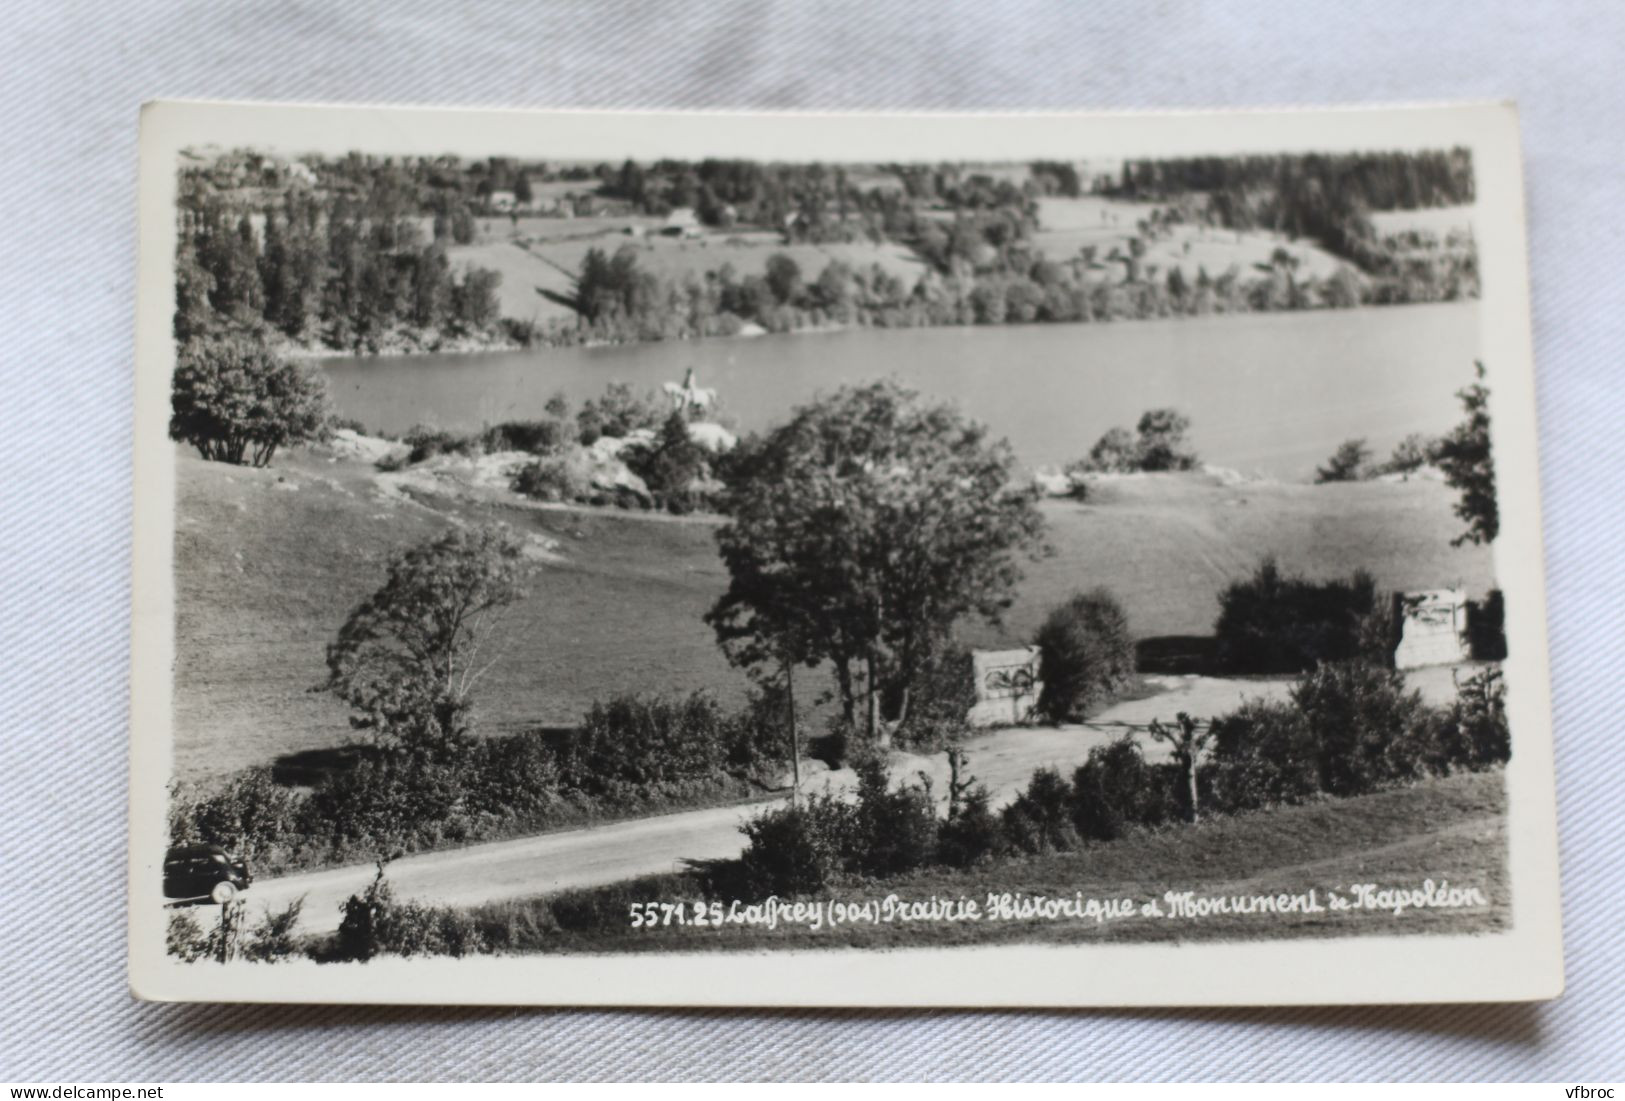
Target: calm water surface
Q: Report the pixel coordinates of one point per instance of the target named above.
(1268, 393)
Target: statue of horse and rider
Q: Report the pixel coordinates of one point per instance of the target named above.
(687, 397)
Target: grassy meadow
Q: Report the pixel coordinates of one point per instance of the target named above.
(269, 563)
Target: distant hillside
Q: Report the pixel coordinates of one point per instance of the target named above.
(270, 561)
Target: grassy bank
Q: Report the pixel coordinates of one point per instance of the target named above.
(1445, 830)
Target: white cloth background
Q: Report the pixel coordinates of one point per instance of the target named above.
(71, 79)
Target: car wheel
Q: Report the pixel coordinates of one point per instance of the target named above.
(223, 892)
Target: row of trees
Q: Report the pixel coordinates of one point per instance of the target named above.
(341, 271)
(620, 300)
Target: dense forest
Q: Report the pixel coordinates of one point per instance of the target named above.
(355, 253)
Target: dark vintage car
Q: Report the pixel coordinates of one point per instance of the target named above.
(197, 872)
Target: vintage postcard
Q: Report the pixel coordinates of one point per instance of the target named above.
(706, 559)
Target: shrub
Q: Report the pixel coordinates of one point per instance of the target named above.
(618, 413)
(1349, 463)
(1409, 455)
(758, 738)
(1272, 623)
(1115, 790)
(1486, 627)
(1116, 452)
(515, 776)
(894, 830)
(1086, 655)
(1040, 819)
(250, 814)
(1370, 729)
(1158, 446)
(427, 442)
(1162, 441)
(670, 465)
(395, 801)
(565, 477)
(1262, 754)
(973, 834)
(1472, 732)
(796, 850)
(537, 437)
(272, 938)
(184, 938)
(644, 742)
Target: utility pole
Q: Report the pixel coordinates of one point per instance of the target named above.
(795, 740)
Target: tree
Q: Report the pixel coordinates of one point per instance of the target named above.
(1349, 463)
(1116, 452)
(670, 464)
(1464, 456)
(408, 658)
(783, 277)
(1410, 454)
(1086, 655)
(861, 531)
(522, 193)
(237, 402)
(1162, 440)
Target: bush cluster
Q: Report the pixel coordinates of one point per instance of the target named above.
(1350, 728)
(630, 752)
(799, 850)
(1157, 444)
(375, 922)
(1272, 623)
(1346, 730)
(1086, 655)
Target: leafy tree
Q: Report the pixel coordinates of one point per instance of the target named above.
(861, 531)
(1086, 655)
(1162, 440)
(236, 401)
(1349, 463)
(408, 658)
(1116, 452)
(522, 192)
(1410, 454)
(1464, 456)
(783, 277)
(1158, 445)
(618, 413)
(670, 465)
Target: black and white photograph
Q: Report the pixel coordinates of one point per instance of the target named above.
(707, 559)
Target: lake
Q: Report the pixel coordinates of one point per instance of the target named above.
(1266, 393)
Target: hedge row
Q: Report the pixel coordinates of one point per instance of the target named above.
(630, 754)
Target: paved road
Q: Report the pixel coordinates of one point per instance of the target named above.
(1004, 760)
